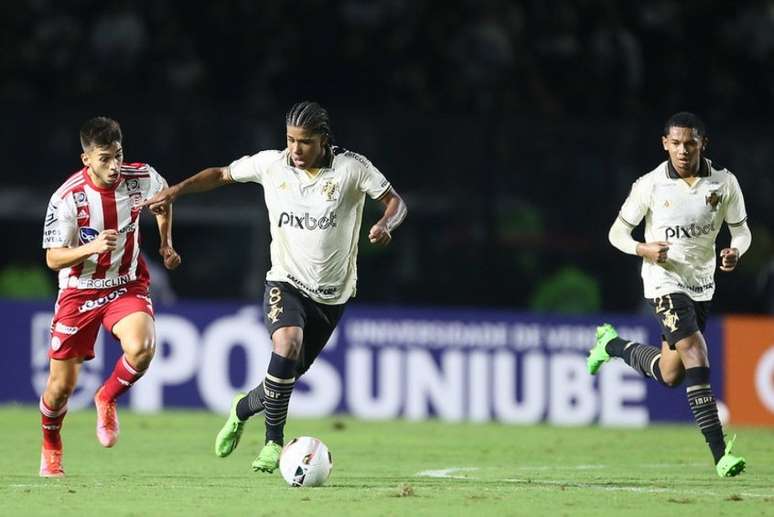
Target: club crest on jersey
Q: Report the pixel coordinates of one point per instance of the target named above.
(87, 234)
(713, 199)
(80, 198)
(330, 190)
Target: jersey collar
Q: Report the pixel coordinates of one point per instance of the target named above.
(704, 170)
(96, 187)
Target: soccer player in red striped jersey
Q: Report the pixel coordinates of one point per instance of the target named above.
(92, 235)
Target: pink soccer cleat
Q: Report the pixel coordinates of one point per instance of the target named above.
(51, 463)
(107, 420)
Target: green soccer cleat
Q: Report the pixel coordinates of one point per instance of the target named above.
(228, 437)
(268, 458)
(730, 465)
(598, 355)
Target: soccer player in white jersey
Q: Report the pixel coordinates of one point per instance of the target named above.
(315, 193)
(684, 202)
(91, 235)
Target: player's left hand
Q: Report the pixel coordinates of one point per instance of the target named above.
(170, 256)
(159, 203)
(379, 235)
(729, 258)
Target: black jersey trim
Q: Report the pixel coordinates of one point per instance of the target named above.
(740, 223)
(627, 223)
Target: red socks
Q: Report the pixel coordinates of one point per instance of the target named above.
(122, 378)
(51, 423)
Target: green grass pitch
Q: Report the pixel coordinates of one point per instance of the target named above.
(164, 465)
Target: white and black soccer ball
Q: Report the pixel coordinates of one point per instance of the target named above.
(305, 461)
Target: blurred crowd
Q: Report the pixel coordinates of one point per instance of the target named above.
(514, 128)
(555, 58)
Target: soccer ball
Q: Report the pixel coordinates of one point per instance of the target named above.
(305, 461)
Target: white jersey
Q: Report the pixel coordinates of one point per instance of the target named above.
(315, 222)
(689, 218)
(79, 210)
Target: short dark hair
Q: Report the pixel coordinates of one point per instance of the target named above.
(100, 131)
(685, 119)
(311, 116)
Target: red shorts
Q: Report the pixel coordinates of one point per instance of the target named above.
(79, 313)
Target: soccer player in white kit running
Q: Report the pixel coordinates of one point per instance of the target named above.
(92, 237)
(315, 193)
(684, 202)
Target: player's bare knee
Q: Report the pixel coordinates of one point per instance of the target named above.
(140, 353)
(142, 358)
(673, 379)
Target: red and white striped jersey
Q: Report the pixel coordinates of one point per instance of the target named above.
(79, 210)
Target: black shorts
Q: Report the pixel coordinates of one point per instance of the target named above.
(286, 306)
(679, 316)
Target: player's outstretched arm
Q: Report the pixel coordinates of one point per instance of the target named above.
(60, 258)
(395, 211)
(208, 179)
(168, 254)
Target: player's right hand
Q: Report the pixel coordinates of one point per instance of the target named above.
(158, 204)
(105, 241)
(654, 251)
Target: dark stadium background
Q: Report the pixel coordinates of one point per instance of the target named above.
(513, 129)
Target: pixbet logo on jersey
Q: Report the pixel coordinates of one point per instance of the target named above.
(688, 232)
(307, 222)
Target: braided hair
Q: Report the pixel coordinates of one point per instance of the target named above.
(312, 117)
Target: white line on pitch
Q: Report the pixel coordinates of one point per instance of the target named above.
(448, 473)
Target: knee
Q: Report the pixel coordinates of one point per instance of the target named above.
(673, 380)
(140, 353)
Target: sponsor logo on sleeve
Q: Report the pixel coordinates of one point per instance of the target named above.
(51, 215)
(51, 236)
